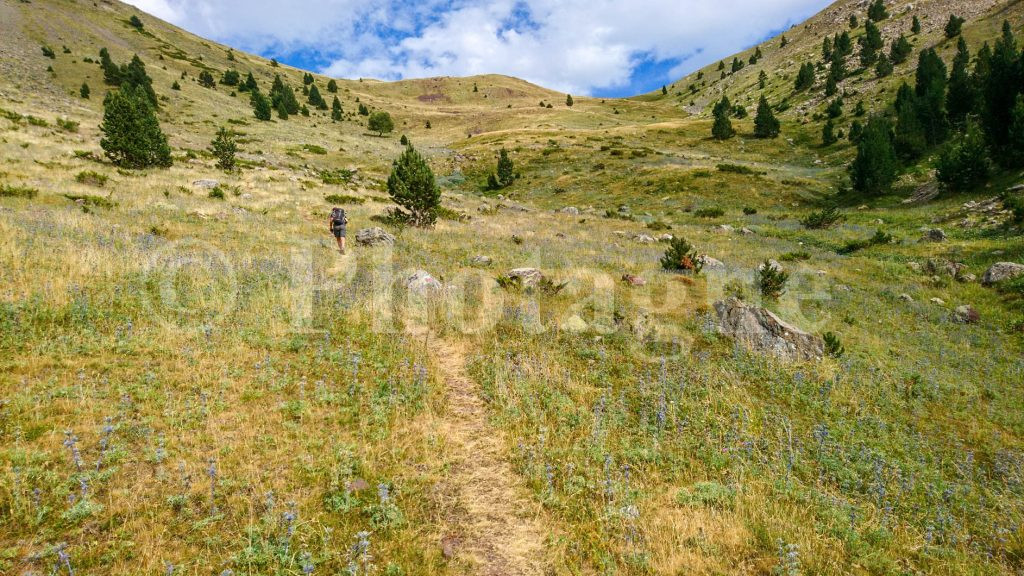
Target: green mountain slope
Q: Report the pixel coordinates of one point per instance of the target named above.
(193, 380)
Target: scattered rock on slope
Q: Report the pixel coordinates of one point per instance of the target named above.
(761, 330)
(374, 236)
(966, 315)
(1002, 271)
(528, 277)
(422, 282)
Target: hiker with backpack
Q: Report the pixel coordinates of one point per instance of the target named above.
(337, 223)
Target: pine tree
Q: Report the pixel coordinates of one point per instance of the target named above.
(230, 78)
(134, 74)
(84, 91)
(870, 44)
(307, 78)
(363, 110)
(762, 79)
(930, 90)
(964, 163)
(783, 42)
(874, 169)
(412, 186)
(900, 50)
(953, 26)
(805, 77)
(835, 108)
(826, 48)
(506, 170)
(131, 132)
(766, 125)
(206, 79)
(664, 90)
(837, 68)
(999, 86)
(915, 25)
(250, 84)
(831, 87)
(261, 106)
(843, 45)
(1014, 155)
(380, 122)
(135, 22)
(282, 98)
(111, 72)
(856, 129)
(909, 140)
(877, 11)
(224, 149)
(960, 96)
(721, 65)
(336, 110)
(332, 86)
(722, 127)
(175, 85)
(737, 65)
(568, 100)
(828, 135)
(883, 67)
(315, 98)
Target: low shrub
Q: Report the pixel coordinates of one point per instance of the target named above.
(91, 200)
(855, 245)
(344, 199)
(707, 495)
(8, 191)
(822, 219)
(91, 178)
(795, 256)
(713, 212)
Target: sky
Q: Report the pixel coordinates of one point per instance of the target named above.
(602, 48)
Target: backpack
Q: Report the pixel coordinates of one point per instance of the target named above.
(338, 217)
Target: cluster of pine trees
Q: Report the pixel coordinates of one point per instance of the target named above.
(974, 116)
(130, 75)
(766, 125)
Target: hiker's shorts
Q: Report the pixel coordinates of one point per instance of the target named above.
(339, 231)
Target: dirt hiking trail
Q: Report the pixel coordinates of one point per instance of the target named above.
(494, 525)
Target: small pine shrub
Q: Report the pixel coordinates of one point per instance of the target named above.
(833, 346)
(681, 257)
(771, 281)
(48, 52)
(822, 219)
(749, 210)
(217, 193)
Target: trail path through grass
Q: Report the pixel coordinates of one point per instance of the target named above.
(494, 524)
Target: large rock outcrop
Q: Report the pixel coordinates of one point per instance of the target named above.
(760, 330)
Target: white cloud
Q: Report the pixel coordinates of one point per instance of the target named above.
(570, 45)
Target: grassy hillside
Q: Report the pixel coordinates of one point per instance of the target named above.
(194, 384)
